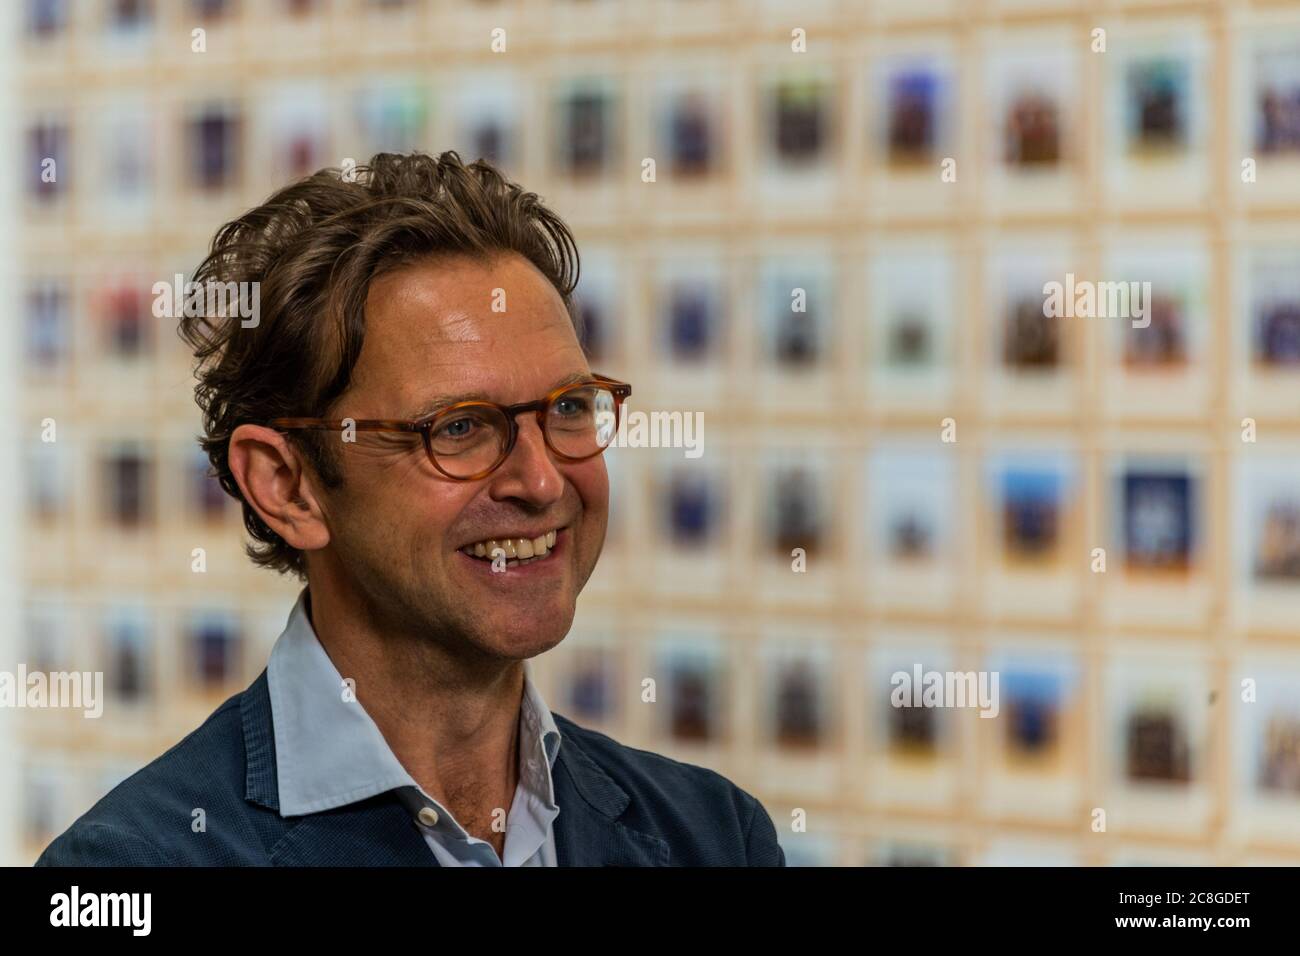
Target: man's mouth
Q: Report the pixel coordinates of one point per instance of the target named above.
(517, 550)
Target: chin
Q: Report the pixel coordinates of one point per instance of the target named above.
(525, 636)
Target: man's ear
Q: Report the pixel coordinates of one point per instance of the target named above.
(275, 481)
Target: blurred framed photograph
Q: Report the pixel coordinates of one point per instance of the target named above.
(294, 131)
(586, 129)
(1035, 746)
(124, 179)
(1266, 524)
(1158, 117)
(1265, 711)
(390, 114)
(912, 534)
(691, 126)
(798, 543)
(1268, 114)
(912, 751)
(1158, 704)
(916, 113)
(214, 650)
(1275, 311)
(798, 314)
(47, 136)
(1277, 99)
(1158, 361)
(48, 796)
(601, 301)
(798, 120)
(690, 300)
(46, 20)
(51, 635)
(1156, 120)
(47, 323)
(798, 713)
(45, 482)
(1156, 545)
(127, 327)
(1031, 341)
(591, 682)
(1160, 521)
(1033, 494)
(1266, 342)
(798, 344)
(1035, 699)
(128, 484)
(1032, 141)
(214, 138)
(692, 513)
(205, 499)
(912, 123)
(487, 119)
(128, 646)
(1031, 351)
(798, 697)
(691, 708)
(911, 340)
(1276, 555)
(1278, 755)
(691, 506)
(796, 540)
(1033, 527)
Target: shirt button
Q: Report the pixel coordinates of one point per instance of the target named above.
(428, 816)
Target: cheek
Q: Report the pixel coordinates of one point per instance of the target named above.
(591, 481)
(415, 507)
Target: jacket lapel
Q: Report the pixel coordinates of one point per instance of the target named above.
(587, 831)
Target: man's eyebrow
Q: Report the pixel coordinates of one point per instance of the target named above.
(439, 402)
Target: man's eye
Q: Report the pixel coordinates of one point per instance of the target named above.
(570, 405)
(458, 429)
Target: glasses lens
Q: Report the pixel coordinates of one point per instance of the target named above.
(467, 441)
(582, 421)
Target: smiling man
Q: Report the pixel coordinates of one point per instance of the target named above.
(412, 428)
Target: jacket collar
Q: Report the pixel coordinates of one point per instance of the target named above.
(374, 832)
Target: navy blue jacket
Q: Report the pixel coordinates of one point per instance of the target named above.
(618, 807)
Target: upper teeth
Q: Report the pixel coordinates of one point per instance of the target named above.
(521, 548)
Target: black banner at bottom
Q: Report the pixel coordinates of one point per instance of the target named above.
(921, 905)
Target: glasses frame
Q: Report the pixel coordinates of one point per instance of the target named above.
(424, 426)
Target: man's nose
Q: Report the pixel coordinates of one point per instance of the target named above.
(530, 472)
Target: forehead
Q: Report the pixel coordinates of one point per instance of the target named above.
(455, 326)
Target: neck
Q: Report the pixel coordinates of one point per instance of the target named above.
(452, 720)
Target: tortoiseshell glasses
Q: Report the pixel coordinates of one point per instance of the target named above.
(467, 441)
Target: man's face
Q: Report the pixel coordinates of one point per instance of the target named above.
(398, 526)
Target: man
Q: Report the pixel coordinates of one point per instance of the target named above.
(411, 427)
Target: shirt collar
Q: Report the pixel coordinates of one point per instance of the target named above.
(328, 750)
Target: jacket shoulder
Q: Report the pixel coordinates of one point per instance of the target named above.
(149, 819)
(706, 819)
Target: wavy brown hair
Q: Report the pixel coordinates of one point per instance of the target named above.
(314, 247)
